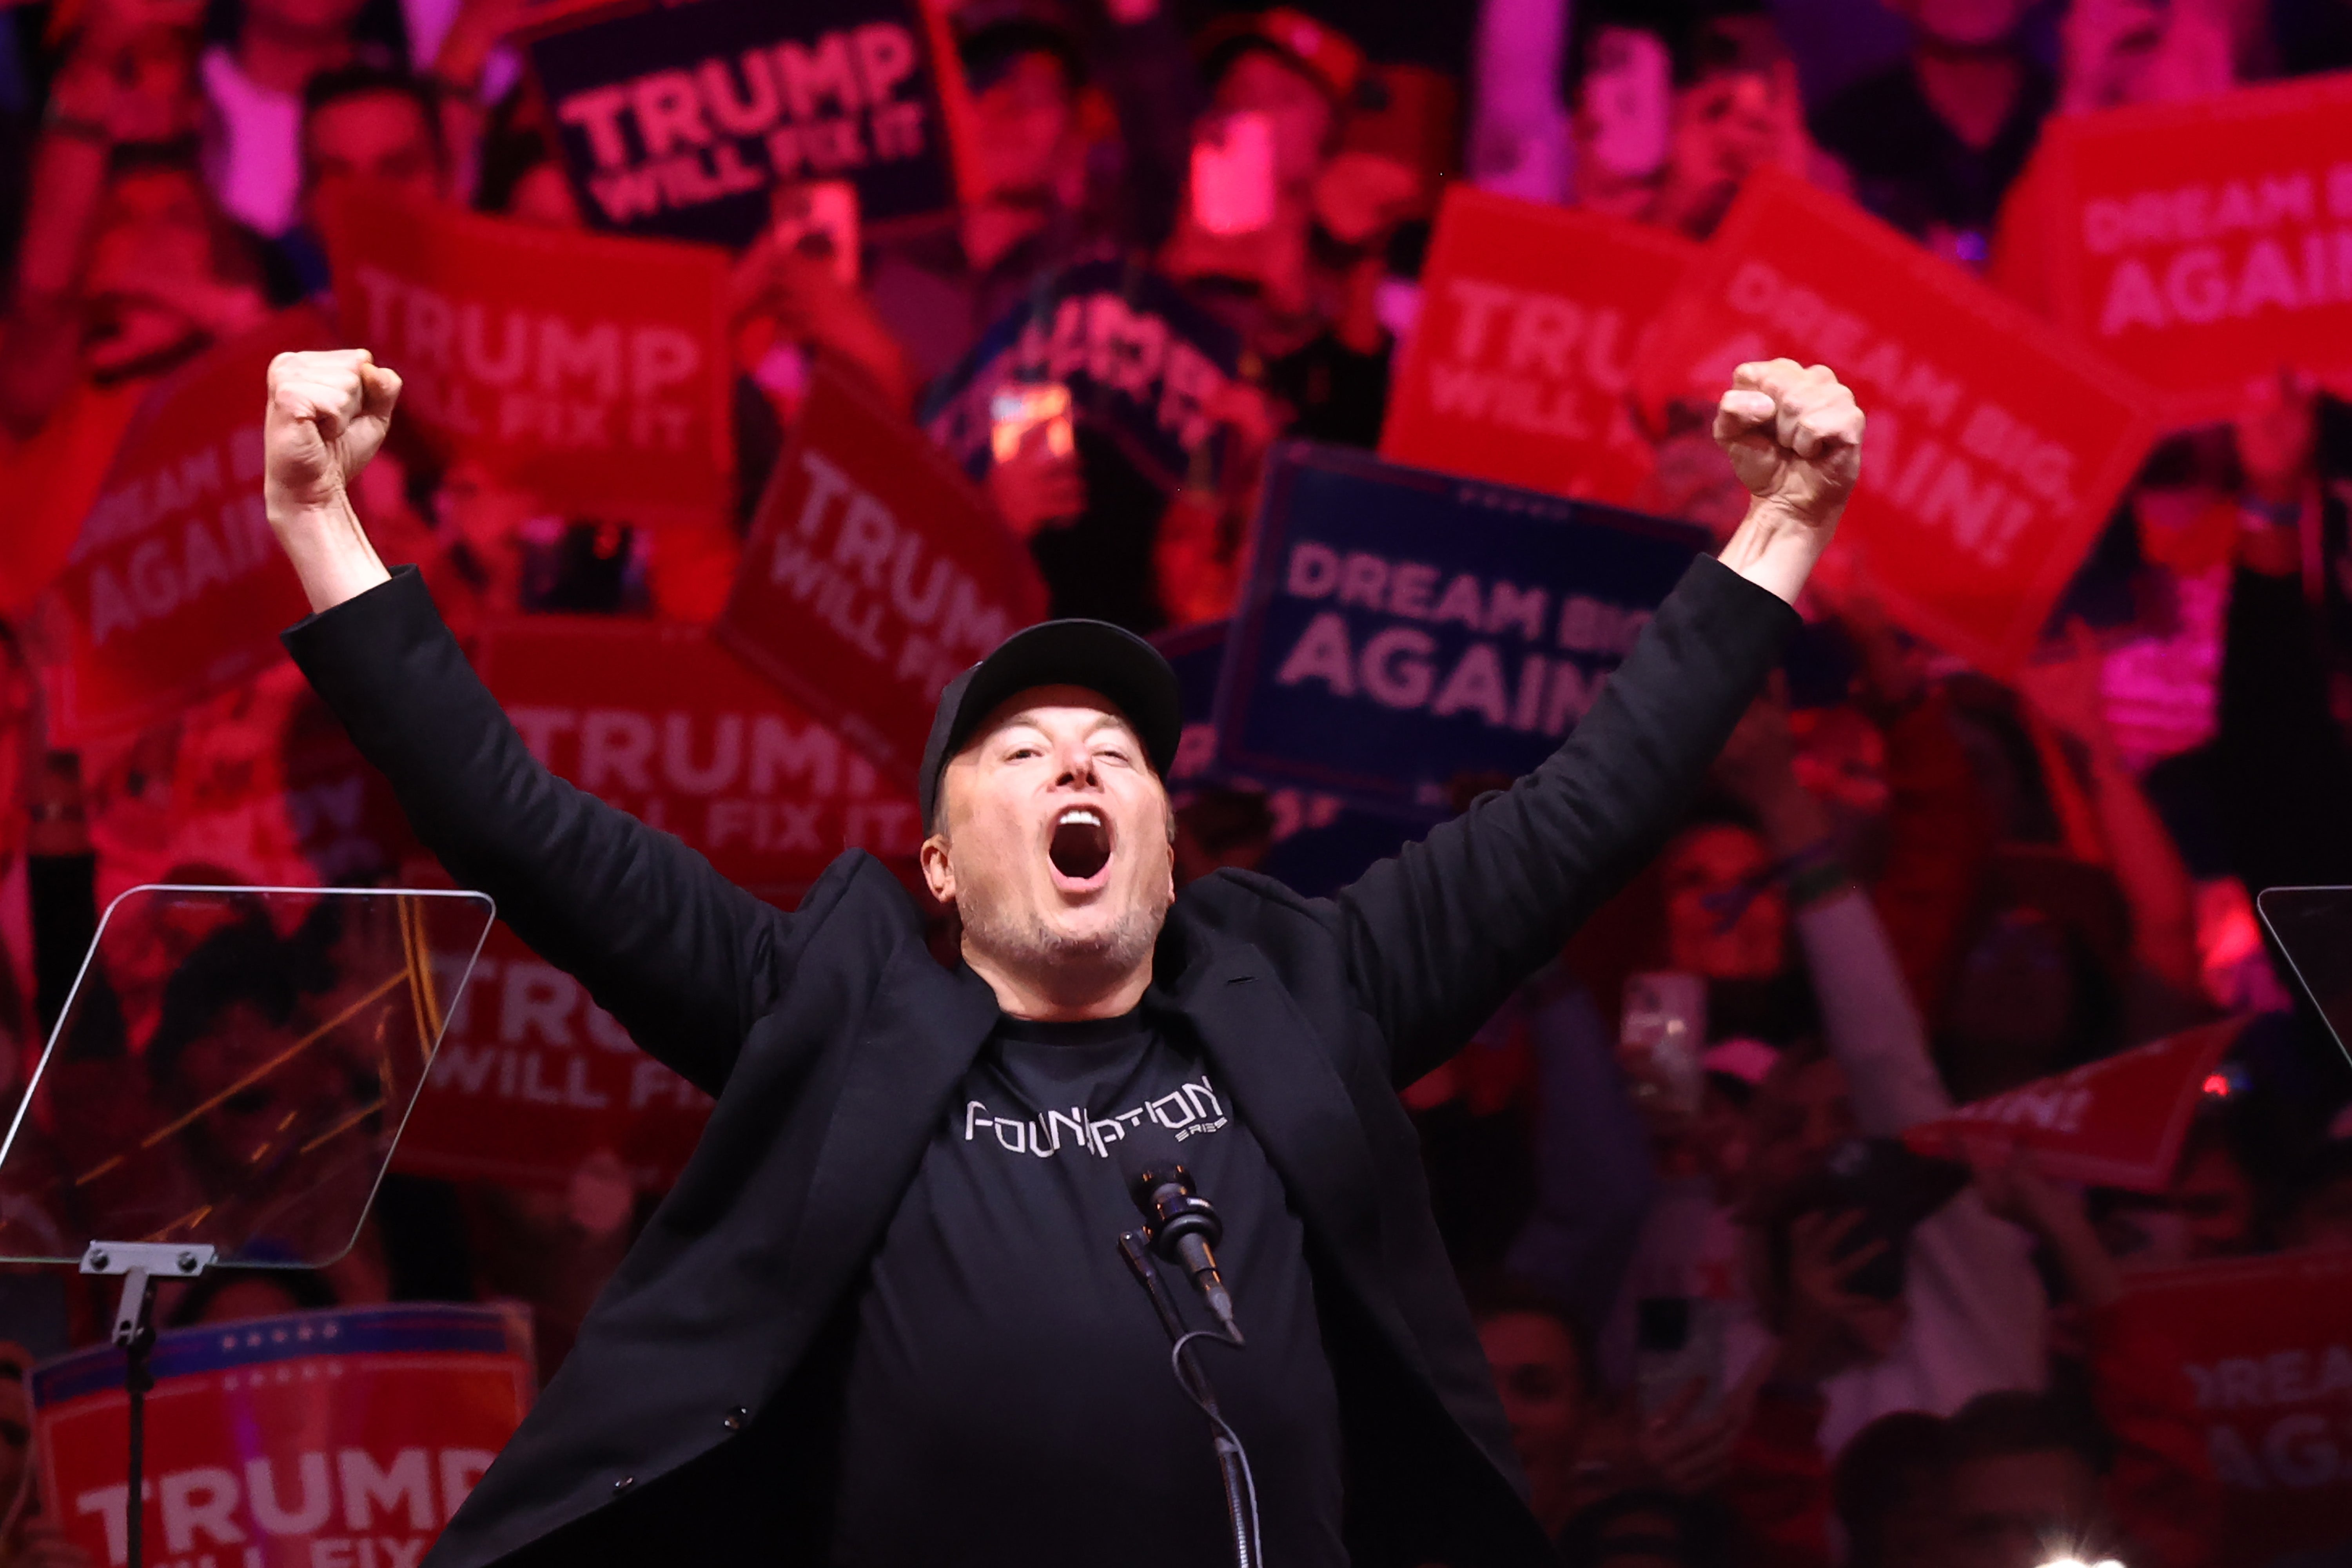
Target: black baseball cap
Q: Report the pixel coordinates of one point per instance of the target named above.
(1096, 654)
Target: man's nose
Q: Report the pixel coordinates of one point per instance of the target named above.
(1078, 767)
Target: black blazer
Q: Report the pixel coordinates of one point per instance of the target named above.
(692, 1421)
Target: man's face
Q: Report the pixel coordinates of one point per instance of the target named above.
(154, 235)
(247, 1111)
(2215, 1203)
(1542, 1386)
(1300, 116)
(1054, 837)
(1733, 119)
(2017, 1510)
(1024, 120)
(1722, 919)
(371, 136)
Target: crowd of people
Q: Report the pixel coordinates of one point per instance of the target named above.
(1731, 1319)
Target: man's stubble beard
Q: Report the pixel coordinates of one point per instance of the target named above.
(1020, 940)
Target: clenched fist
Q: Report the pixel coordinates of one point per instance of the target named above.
(1795, 437)
(328, 413)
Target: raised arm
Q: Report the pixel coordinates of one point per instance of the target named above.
(1438, 935)
(681, 957)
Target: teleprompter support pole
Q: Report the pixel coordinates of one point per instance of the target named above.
(141, 1264)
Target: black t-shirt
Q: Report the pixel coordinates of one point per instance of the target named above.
(1009, 1395)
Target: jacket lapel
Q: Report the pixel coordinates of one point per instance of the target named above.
(1262, 1049)
(925, 1032)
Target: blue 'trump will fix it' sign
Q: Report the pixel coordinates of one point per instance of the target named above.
(1403, 629)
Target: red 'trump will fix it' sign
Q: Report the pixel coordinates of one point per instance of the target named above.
(1519, 368)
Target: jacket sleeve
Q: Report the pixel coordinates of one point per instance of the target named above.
(682, 958)
(1438, 935)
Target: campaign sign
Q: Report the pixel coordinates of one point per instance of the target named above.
(266, 782)
(1521, 367)
(874, 575)
(679, 119)
(593, 372)
(2118, 1122)
(330, 1440)
(1143, 365)
(1403, 629)
(655, 718)
(2265, 1347)
(1314, 843)
(1996, 448)
(175, 588)
(2201, 245)
(532, 1078)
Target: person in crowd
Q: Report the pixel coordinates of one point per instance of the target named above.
(1544, 1374)
(253, 83)
(1623, 63)
(230, 1295)
(1280, 88)
(362, 126)
(1736, 110)
(518, 172)
(2283, 762)
(2118, 52)
(27, 1538)
(1888, 1492)
(1045, 191)
(2078, 948)
(1970, 1313)
(1935, 141)
(127, 271)
(2022, 1486)
(2209, 1210)
(1517, 139)
(2154, 1479)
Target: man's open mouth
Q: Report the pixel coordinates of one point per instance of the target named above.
(1080, 845)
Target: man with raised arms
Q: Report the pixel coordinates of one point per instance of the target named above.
(882, 1318)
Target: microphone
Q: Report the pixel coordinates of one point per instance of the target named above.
(1181, 1225)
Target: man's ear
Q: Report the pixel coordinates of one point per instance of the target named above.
(938, 873)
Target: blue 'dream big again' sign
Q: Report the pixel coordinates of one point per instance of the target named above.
(1401, 629)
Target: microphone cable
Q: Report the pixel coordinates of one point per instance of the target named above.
(1227, 1438)
(1233, 1458)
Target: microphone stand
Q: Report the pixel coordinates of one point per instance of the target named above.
(1240, 1507)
